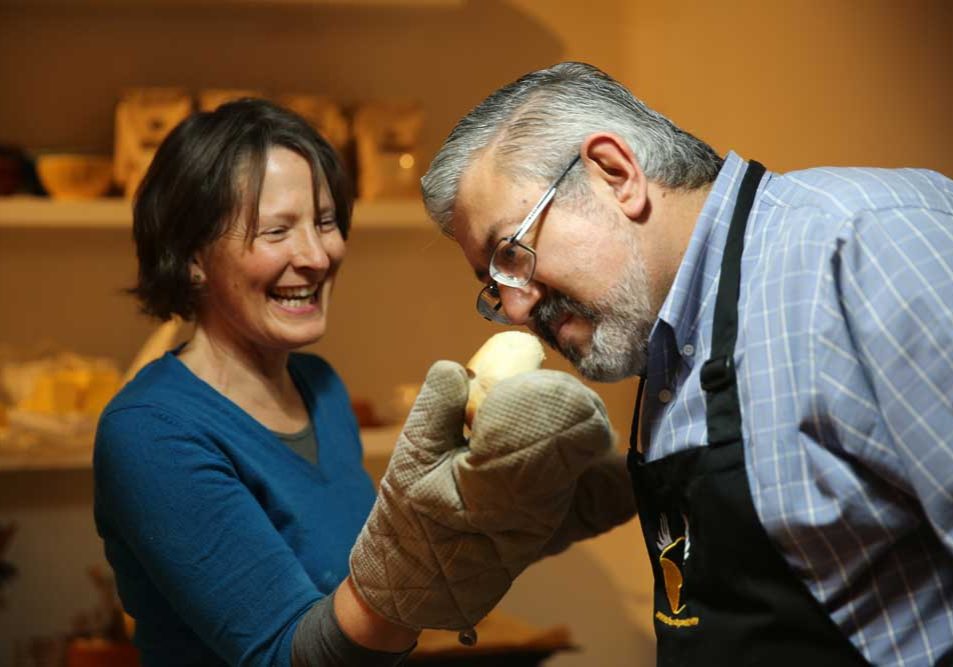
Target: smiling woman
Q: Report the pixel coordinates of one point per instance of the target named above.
(267, 289)
(228, 472)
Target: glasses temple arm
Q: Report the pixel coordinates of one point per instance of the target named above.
(541, 204)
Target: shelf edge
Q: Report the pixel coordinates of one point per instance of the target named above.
(25, 212)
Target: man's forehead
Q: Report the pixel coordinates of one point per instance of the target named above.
(480, 187)
(484, 209)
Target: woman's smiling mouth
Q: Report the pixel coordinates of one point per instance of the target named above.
(294, 298)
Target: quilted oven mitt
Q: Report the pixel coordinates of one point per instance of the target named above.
(604, 499)
(454, 523)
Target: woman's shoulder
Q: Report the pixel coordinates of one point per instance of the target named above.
(162, 397)
(163, 404)
(159, 383)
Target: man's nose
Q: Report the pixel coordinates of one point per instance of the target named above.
(519, 302)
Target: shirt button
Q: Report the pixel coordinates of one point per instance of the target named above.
(688, 350)
(664, 396)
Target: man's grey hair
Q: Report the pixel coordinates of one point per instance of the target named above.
(537, 124)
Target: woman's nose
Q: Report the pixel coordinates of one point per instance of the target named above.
(310, 251)
(519, 302)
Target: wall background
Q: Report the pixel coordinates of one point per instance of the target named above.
(793, 83)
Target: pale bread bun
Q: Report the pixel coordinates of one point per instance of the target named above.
(501, 356)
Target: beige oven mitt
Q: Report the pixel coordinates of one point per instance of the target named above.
(604, 499)
(454, 524)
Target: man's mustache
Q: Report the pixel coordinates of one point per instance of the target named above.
(551, 310)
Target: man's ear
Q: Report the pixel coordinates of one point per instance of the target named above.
(616, 165)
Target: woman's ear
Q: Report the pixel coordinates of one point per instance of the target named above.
(616, 165)
(196, 272)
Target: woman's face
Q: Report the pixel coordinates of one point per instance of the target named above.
(273, 295)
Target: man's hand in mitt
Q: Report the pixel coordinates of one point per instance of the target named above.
(604, 499)
(453, 524)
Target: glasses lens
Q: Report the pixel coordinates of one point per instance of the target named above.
(512, 264)
(490, 306)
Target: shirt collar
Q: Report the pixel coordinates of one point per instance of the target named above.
(696, 279)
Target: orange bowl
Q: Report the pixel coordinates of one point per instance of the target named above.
(75, 176)
(101, 653)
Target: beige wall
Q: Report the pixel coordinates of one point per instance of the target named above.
(792, 83)
(799, 83)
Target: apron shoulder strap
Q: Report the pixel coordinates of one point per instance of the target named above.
(718, 377)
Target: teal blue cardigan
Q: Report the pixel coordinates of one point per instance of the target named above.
(220, 536)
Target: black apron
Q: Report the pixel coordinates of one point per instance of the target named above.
(723, 593)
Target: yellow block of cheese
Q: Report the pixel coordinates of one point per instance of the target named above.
(84, 389)
(102, 386)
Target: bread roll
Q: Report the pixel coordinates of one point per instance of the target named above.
(502, 355)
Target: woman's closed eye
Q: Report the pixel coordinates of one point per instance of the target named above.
(327, 224)
(274, 232)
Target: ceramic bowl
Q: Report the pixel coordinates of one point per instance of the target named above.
(75, 176)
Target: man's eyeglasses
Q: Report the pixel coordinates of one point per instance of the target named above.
(513, 263)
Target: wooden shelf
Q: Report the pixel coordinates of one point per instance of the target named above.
(378, 444)
(23, 212)
(226, 4)
(74, 458)
(39, 212)
(392, 214)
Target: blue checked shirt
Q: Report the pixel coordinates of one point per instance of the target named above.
(845, 371)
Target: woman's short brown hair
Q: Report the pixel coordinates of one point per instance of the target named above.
(202, 173)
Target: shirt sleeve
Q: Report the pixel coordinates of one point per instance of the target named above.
(201, 536)
(895, 275)
(320, 642)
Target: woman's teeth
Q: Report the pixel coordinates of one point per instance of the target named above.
(295, 297)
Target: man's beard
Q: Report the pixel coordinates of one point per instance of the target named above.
(621, 323)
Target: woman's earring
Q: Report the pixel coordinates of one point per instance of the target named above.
(197, 278)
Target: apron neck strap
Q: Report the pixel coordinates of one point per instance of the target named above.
(718, 377)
